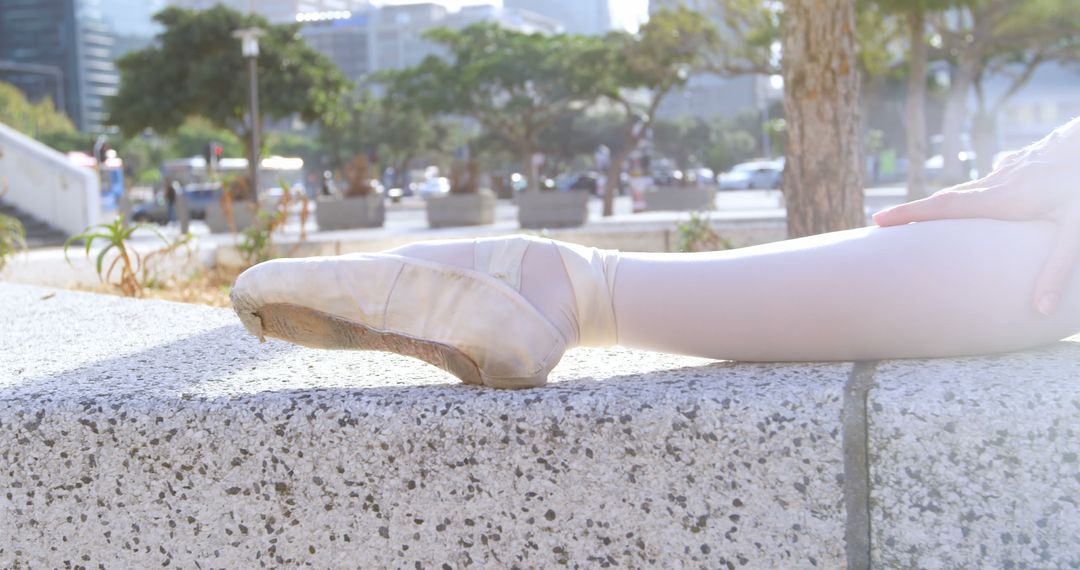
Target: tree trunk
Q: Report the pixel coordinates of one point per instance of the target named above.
(614, 171)
(916, 107)
(402, 174)
(823, 175)
(956, 114)
(532, 175)
(984, 139)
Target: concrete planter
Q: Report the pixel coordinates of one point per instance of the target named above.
(681, 199)
(461, 209)
(243, 216)
(552, 209)
(349, 213)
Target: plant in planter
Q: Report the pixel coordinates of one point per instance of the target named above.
(359, 206)
(467, 204)
(681, 195)
(235, 211)
(696, 234)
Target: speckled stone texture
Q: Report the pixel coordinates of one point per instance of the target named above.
(973, 462)
(137, 434)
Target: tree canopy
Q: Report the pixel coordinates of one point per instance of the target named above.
(195, 68)
(513, 83)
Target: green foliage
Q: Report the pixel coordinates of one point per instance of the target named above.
(646, 67)
(662, 55)
(116, 236)
(191, 137)
(33, 119)
(196, 69)
(749, 31)
(395, 128)
(257, 240)
(695, 234)
(682, 140)
(69, 141)
(12, 238)
(513, 83)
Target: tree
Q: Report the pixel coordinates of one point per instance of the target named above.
(1050, 34)
(191, 137)
(981, 36)
(823, 182)
(748, 35)
(914, 15)
(196, 69)
(682, 140)
(513, 83)
(644, 68)
(33, 119)
(395, 129)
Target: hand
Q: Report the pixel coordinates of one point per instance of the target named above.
(1040, 182)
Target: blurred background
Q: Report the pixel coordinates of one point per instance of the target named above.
(543, 113)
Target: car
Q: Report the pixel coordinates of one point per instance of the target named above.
(760, 173)
(934, 167)
(436, 186)
(587, 181)
(198, 196)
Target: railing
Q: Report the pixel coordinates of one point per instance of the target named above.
(41, 182)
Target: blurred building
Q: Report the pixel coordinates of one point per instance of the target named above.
(61, 49)
(391, 37)
(589, 17)
(708, 95)
(65, 49)
(1049, 99)
(277, 11)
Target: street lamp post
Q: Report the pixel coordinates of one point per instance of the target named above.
(249, 46)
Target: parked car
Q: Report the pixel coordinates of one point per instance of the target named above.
(935, 165)
(436, 186)
(587, 181)
(753, 174)
(198, 196)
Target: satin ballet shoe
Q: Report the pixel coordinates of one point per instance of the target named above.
(473, 323)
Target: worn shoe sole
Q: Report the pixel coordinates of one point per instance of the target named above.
(316, 329)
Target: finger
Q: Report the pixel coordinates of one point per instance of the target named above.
(1059, 268)
(980, 203)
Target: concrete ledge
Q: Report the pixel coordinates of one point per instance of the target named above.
(974, 462)
(143, 433)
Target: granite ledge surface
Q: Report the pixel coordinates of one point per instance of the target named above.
(138, 433)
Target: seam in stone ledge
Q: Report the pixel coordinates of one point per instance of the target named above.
(857, 466)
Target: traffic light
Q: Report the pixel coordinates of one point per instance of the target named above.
(213, 155)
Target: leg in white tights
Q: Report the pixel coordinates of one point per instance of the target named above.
(923, 290)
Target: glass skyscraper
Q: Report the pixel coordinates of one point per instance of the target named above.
(60, 49)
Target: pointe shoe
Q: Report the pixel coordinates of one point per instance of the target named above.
(473, 323)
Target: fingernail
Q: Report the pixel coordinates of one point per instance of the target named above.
(1048, 302)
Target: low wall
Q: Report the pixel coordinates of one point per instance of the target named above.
(653, 236)
(41, 182)
(147, 434)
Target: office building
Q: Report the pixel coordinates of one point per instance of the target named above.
(589, 17)
(707, 95)
(392, 37)
(277, 11)
(61, 49)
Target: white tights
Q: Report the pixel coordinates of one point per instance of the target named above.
(930, 289)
